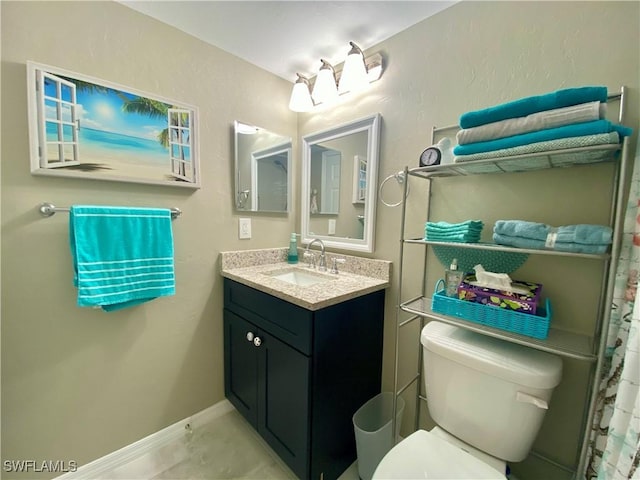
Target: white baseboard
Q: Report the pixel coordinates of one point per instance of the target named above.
(146, 458)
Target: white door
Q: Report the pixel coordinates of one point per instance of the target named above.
(330, 187)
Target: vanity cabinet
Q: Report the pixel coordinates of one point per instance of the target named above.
(298, 376)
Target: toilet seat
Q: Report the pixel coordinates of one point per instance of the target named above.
(425, 455)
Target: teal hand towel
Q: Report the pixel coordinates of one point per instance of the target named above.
(463, 232)
(454, 237)
(121, 256)
(469, 224)
(433, 229)
(538, 103)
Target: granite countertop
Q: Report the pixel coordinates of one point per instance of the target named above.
(358, 276)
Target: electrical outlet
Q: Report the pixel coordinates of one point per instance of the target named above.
(244, 228)
(332, 226)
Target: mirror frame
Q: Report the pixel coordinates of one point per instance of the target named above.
(371, 125)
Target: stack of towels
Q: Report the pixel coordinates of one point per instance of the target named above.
(593, 239)
(566, 118)
(465, 232)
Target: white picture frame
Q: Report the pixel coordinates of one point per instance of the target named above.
(88, 128)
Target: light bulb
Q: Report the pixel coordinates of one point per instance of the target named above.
(300, 100)
(354, 73)
(325, 89)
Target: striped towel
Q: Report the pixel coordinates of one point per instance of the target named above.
(121, 256)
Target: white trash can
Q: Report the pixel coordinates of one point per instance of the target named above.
(373, 429)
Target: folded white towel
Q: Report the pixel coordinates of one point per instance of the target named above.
(558, 117)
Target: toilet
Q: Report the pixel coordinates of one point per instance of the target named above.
(488, 398)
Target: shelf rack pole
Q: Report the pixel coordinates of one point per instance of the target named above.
(618, 220)
(394, 426)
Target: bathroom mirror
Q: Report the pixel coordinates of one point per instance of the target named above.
(262, 169)
(339, 178)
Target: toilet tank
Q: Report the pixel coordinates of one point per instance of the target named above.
(487, 392)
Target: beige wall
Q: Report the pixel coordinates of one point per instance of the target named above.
(470, 56)
(76, 383)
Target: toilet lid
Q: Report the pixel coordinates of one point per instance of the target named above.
(424, 455)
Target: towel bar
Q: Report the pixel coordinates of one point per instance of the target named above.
(48, 209)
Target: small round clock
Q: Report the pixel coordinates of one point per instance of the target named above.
(431, 156)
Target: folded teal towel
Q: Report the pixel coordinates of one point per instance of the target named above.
(463, 232)
(432, 229)
(121, 256)
(582, 233)
(454, 237)
(469, 224)
(566, 131)
(534, 244)
(538, 103)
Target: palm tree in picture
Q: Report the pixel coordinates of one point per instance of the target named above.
(143, 106)
(157, 109)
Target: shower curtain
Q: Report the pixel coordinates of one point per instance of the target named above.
(614, 450)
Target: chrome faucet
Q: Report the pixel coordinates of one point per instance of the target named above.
(322, 265)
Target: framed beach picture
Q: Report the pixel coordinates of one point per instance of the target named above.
(84, 127)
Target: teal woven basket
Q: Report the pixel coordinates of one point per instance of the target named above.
(536, 326)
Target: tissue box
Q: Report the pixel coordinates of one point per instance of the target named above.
(524, 303)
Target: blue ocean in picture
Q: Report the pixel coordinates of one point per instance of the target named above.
(100, 146)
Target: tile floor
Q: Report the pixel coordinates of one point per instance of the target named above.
(229, 448)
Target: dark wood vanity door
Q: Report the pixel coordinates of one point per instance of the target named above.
(241, 366)
(283, 397)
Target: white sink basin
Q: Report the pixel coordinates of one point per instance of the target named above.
(299, 277)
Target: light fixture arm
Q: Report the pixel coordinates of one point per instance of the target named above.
(302, 79)
(327, 66)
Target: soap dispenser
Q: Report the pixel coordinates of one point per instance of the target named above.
(452, 278)
(292, 257)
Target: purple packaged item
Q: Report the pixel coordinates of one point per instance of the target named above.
(524, 299)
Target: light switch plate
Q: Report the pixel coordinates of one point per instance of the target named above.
(244, 228)
(332, 226)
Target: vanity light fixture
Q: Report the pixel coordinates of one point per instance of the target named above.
(354, 74)
(325, 88)
(357, 73)
(300, 100)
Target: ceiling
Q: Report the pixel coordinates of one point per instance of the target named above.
(285, 37)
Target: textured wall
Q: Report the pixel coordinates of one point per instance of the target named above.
(470, 56)
(79, 383)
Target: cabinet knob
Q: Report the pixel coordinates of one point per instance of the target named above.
(250, 336)
(257, 341)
